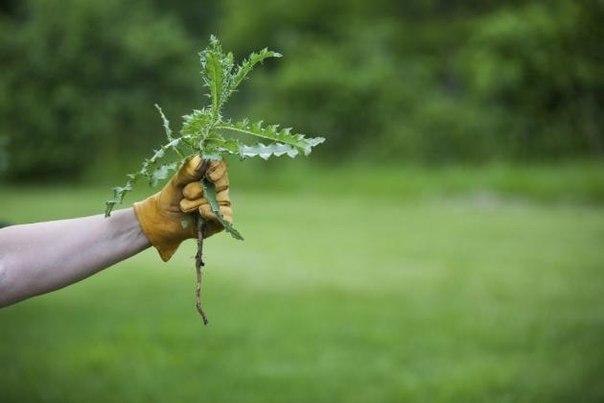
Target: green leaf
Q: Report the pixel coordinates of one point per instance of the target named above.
(218, 145)
(144, 171)
(273, 133)
(163, 172)
(248, 65)
(231, 146)
(109, 205)
(209, 192)
(216, 67)
(264, 152)
(165, 122)
(197, 124)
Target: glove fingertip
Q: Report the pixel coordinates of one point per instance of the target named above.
(166, 254)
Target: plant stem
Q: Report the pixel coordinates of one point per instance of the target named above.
(199, 264)
(199, 270)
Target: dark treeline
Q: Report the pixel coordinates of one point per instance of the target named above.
(429, 81)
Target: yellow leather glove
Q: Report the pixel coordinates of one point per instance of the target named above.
(168, 217)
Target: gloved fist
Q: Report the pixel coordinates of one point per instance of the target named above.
(168, 217)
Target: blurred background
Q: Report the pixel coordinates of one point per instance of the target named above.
(444, 244)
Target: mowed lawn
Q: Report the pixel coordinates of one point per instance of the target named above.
(331, 298)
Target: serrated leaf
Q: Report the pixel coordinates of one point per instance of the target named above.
(197, 123)
(109, 205)
(273, 133)
(216, 69)
(144, 171)
(248, 65)
(219, 145)
(266, 151)
(212, 156)
(165, 123)
(162, 173)
(231, 146)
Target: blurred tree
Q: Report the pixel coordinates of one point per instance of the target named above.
(427, 81)
(199, 18)
(432, 81)
(80, 79)
(542, 65)
(3, 155)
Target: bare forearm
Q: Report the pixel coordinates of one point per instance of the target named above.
(42, 257)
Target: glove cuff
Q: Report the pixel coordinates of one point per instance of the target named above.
(162, 232)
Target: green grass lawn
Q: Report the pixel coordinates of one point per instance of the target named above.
(332, 297)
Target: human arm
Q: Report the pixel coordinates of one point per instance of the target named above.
(42, 257)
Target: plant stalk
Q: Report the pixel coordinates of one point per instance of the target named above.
(199, 263)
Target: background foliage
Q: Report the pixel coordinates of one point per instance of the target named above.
(425, 81)
(79, 78)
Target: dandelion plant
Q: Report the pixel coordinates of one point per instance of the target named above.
(209, 134)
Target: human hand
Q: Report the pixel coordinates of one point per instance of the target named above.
(168, 217)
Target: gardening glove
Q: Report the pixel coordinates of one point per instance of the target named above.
(168, 217)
